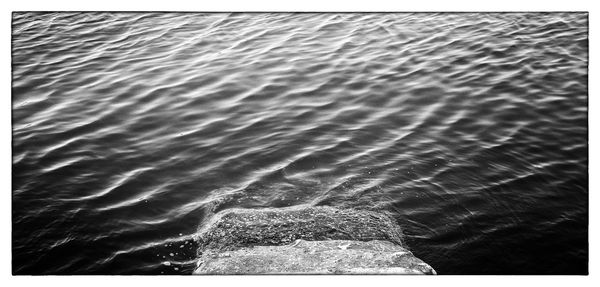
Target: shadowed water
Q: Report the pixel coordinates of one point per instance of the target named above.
(129, 129)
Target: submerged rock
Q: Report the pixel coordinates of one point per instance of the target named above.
(236, 228)
(307, 239)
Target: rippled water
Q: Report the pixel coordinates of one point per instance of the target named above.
(130, 129)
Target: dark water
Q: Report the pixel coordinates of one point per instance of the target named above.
(129, 129)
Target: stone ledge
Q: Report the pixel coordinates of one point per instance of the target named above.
(235, 228)
(316, 257)
(304, 240)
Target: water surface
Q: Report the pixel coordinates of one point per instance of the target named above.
(130, 129)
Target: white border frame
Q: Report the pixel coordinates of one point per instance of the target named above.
(281, 5)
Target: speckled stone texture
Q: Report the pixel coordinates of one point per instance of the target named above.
(236, 228)
(316, 257)
(305, 240)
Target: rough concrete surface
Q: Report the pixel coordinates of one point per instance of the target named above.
(235, 228)
(304, 240)
(316, 257)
